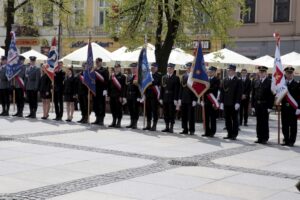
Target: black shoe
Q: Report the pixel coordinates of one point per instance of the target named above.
(232, 138)
(14, 115)
(129, 126)
(28, 116)
(171, 128)
(96, 122)
(5, 114)
(165, 130)
(226, 138)
(43, 118)
(101, 123)
(118, 125)
(184, 132)
(20, 115)
(134, 125)
(291, 145)
(245, 124)
(284, 144)
(112, 125)
(68, 120)
(153, 128)
(224, 128)
(205, 135)
(147, 128)
(257, 141)
(80, 120)
(192, 133)
(56, 119)
(2, 114)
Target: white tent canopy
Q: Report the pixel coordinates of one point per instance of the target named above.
(291, 59)
(225, 56)
(117, 53)
(80, 55)
(266, 61)
(38, 55)
(180, 57)
(2, 52)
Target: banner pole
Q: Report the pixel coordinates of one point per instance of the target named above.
(52, 97)
(144, 122)
(278, 117)
(203, 116)
(14, 95)
(88, 110)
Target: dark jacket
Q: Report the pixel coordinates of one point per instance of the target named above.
(294, 90)
(231, 91)
(170, 88)
(247, 86)
(59, 78)
(113, 91)
(81, 88)
(33, 75)
(21, 74)
(70, 86)
(132, 89)
(262, 94)
(100, 86)
(45, 84)
(185, 93)
(150, 91)
(213, 88)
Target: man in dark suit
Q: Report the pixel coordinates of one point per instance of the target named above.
(152, 94)
(188, 102)
(262, 103)
(33, 75)
(169, 97)
(246, 83)
(99, 103)
(210, 106)
(133, 97)
(82, 96)
(19, 88)
(59, 77)
(230, 98)
(288, 113)
(4, 87)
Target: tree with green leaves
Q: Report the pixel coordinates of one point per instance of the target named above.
(170, 22)
(24, 9)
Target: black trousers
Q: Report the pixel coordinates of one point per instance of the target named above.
(4, 95)
(289, 124)
(58, 104)
(19, 99)
(210, 120)
(244, 111)
(134, 109)
(188, 117)
(152, 106)
(116, 108)
(83, 103)
(99, 104)
(231, 121)
(169, 112)
(32, 100)
(262, 122)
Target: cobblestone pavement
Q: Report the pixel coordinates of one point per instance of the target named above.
(160, 163)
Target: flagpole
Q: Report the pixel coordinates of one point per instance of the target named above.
(14, 95)
(52, 96)
(88, 110)
(203, 116)
(144, 121)
(278, 117)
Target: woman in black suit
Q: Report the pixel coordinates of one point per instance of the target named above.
(45, 93)
(69, 93)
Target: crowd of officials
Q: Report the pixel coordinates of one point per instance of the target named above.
(235, 95)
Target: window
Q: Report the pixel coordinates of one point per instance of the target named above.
(48, 16)
(249, 16)
(28, 14)
(281, 10)
(101, 12)
(79, 13)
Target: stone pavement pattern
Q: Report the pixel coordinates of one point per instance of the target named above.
(59, 161)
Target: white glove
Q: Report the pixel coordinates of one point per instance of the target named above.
(179, 102)
(298, 112)
(142, 99)
(194, 103)
(104, 92)
(221, 106)
(253, 109)
(269, 110)
(237, 106)
(202, 103)
(138, 99)
(175, 102)
(124, 101)
(161, 101)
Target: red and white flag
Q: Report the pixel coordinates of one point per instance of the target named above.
(278, 87)
(52, 61)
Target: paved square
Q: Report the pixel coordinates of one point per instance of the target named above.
(60, 161)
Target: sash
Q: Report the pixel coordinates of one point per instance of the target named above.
(213, 100)
(156, 91)
(21, 83)
(116, 82)
(99, 76)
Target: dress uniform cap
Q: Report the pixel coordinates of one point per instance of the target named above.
(154, 65)
(3, 58)
(212, 68)
(133, 65)
(262, 68)
(232, 67)
(32, 58)
(289, 69)
(21, 57)
(171, 65)
(189, 64)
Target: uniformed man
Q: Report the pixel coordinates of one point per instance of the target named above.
(187, 101)
(33, 75)
(210, 105)
(82, 95)
(169, 97)
(59, 77)
(246, 83)
(230, 98)
(289, 114)
(4, 87)
(99, 103)
(116, 93)
(20, 87)
(152, 94)
(262, 103)
(133, 97)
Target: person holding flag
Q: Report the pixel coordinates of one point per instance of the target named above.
(133, 97)
(262, 103)
(230, 98)
(152, 95)
(290, 109)
(169, 97)
(187, 101)
(4, 87)
(59, 77)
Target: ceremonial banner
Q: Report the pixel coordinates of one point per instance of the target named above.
(52, 60)
(144, 76)
(88, 75)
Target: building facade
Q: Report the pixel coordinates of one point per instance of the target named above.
(264, 17)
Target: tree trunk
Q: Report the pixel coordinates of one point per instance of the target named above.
(9, 22)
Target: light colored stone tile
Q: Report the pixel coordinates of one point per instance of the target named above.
(242, 162)
(6, 154)
(285, 196)
(9, 167)
(11, 185)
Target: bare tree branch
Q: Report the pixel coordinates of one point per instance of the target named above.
(20, 5)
